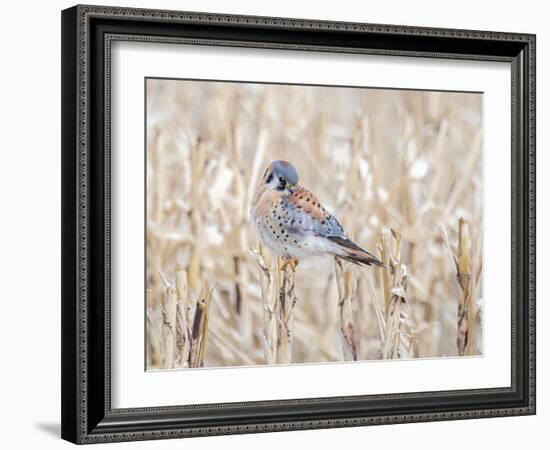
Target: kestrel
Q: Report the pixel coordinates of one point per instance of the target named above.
(293, 224)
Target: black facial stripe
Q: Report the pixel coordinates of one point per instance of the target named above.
(269, 178)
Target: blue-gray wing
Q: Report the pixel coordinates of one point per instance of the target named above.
(300, 221)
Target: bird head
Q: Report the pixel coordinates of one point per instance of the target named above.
(280, 176)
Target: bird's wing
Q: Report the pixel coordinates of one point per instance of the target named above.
(308, 215)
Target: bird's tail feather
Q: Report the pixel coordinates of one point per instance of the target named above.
(355, 254)
(367, 261)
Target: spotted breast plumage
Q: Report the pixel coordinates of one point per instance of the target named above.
(292, 223)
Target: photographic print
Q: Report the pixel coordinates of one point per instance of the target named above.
(292, 224)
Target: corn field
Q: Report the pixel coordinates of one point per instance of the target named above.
(402, 172)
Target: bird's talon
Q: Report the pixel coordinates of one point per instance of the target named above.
(292, 262)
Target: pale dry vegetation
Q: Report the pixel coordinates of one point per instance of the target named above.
(401, 170)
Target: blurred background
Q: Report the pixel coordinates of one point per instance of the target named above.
(376, 158)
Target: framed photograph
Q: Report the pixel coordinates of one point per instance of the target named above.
(280, 224)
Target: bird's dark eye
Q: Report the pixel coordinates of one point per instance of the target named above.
(269, 178)
(282, 181)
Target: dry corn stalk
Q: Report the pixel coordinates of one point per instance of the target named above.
(185, 323)
(169, 309)
(464, 277)
(199, 331)
(392, 334)
(347, 286)
(269, 304)
(154, 347)
(184, 313)
(278, 301)
(285, 314)
(384, 274)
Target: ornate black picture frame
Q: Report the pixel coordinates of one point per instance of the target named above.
(87, 34)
